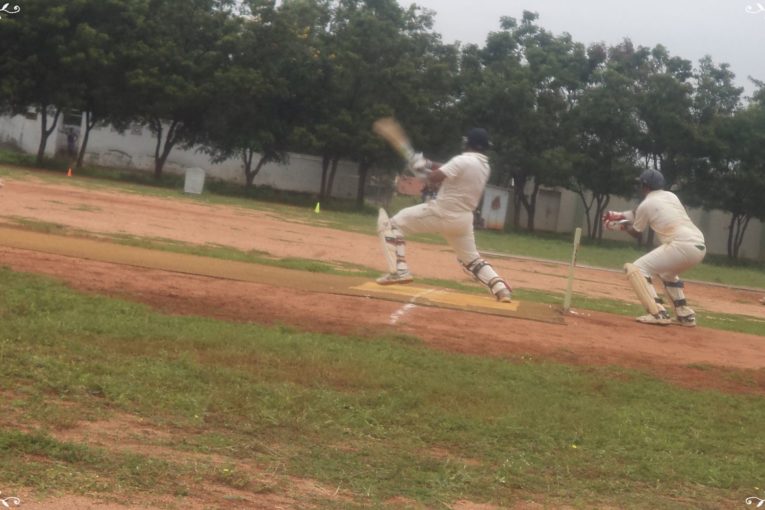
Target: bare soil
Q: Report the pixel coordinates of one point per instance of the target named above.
(690, 357)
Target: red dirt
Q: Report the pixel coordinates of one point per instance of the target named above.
(695, 358)
(589, 338)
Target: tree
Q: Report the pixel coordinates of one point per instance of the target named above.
(735, 179)
(719, 177)
(495, 94)
(557, 75)
(606, 120)
(266, 90)
(529, 82)
(104, 31)
(180, 45)
(378, 59)
(667, 136)
(35, 50)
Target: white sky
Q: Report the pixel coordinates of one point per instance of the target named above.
(731, 31)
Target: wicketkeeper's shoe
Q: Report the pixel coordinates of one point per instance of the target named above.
(504, 296)
(660, 319)
(398, 277)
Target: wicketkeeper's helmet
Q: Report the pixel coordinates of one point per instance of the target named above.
(653, 179)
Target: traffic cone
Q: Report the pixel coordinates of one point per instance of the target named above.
(317, 209)
(69, 172)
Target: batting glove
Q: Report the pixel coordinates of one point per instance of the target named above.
(617, 225)
(418, 163)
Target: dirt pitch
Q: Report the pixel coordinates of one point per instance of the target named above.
(694, 358)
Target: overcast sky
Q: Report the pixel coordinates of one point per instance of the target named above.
(731, 31)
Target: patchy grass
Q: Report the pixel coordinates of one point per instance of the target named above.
(725, 322)
(342, 215)
(376, 418)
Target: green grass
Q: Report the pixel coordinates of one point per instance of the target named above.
(380, 417)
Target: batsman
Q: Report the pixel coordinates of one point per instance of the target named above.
(460, 184)
(682, 247)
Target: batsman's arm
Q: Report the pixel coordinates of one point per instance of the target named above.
(631, 231)
(436, 176)
(419, 165)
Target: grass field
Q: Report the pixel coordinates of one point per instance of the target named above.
(253, 408)
(380, 418)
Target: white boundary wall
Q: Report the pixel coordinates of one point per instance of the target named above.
(134, 149)
(558, 210)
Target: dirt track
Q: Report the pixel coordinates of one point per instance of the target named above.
(592, 338)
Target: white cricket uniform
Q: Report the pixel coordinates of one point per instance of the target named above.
(451, 212)
(683, 244)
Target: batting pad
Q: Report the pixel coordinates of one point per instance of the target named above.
(105, 251)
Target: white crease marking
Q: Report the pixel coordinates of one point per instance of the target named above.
(399, 314)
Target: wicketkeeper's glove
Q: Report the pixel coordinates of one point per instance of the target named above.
(613, 220)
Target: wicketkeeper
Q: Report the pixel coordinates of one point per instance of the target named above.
(460, 184)
(682, 247)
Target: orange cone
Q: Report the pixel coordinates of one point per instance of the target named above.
(69, 172)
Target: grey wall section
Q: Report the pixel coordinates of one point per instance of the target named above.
(558, 210)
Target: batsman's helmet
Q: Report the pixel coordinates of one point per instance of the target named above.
(477, 138)
(652, 179)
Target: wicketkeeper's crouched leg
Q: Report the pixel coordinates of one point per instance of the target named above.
(646, 293)
(674, 288)
(394, 250)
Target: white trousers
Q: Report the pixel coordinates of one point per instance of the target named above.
(669, 260)
(456, 228)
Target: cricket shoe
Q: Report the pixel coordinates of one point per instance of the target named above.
(689, 321)
(685, 316)
(660, 319)
(504, 296)
(398, 277)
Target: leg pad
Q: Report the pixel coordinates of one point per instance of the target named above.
(640, 285)
(484, 273)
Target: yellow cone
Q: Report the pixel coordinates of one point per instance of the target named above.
(317, 209)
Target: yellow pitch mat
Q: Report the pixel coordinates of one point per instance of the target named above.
(435, 297)
(454, 300)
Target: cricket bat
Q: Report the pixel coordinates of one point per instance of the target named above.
(389, 129)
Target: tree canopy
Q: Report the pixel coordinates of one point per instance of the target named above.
(258, 79)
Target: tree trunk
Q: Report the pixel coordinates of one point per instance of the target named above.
(363, 172)
(262, 161)
(45, 132)
(249, 176)
(326, 159)
(531, 207)
(737, 229)
(602, 206)
(90, 123)
(587, 208)
(519, 185)
(161, 153)
(731, 235)
(331, 180)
